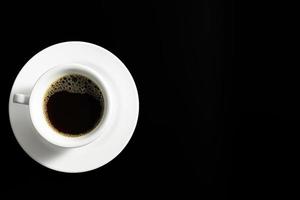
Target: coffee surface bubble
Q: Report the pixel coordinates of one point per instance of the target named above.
(74, 83)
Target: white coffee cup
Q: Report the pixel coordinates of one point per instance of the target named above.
(35, 100)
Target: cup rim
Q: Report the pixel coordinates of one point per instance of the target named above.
(64, 141)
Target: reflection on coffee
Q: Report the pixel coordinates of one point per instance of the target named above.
(73, 105)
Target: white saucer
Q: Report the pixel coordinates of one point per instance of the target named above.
(110, 143)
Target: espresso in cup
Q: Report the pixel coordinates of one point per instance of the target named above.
(73, 105)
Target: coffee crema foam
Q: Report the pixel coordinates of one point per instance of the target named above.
(75, 84)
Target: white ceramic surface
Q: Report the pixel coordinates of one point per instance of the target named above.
(123, 108)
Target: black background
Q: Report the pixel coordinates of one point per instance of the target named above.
(196, 104)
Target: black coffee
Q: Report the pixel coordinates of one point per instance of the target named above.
(73, 105)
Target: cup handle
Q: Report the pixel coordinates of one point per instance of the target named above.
(21, 99)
